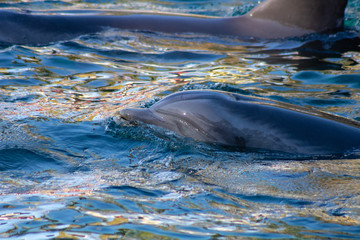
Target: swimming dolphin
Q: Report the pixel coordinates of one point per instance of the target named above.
(270, 19)
(249, 122)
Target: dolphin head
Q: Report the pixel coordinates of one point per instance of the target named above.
(192, 114)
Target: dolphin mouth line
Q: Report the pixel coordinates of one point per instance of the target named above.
(123, 117)
(121, 121)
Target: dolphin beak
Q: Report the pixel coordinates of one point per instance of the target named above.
(138, 114)
(127, 114)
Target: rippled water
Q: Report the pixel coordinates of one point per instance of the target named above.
(68, 171)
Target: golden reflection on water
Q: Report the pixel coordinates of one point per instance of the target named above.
(97, 94)
(101, 84)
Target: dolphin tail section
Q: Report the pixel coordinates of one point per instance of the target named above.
(313, 15)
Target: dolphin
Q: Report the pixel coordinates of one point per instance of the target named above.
(270, 19)
(249, 122)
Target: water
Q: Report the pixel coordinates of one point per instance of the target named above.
(67, 171)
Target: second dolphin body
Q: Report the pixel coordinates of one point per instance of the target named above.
(270, 19)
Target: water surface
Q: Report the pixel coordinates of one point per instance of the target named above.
(68, 171)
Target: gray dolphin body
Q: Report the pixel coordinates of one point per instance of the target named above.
(249, 122)
(270, 19)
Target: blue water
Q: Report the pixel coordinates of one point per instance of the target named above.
(68, 171)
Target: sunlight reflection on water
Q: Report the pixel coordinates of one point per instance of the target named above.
(68, 171)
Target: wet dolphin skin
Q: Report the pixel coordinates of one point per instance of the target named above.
(270, 19)
(249, 122)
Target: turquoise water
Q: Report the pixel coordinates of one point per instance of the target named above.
(67, 171)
